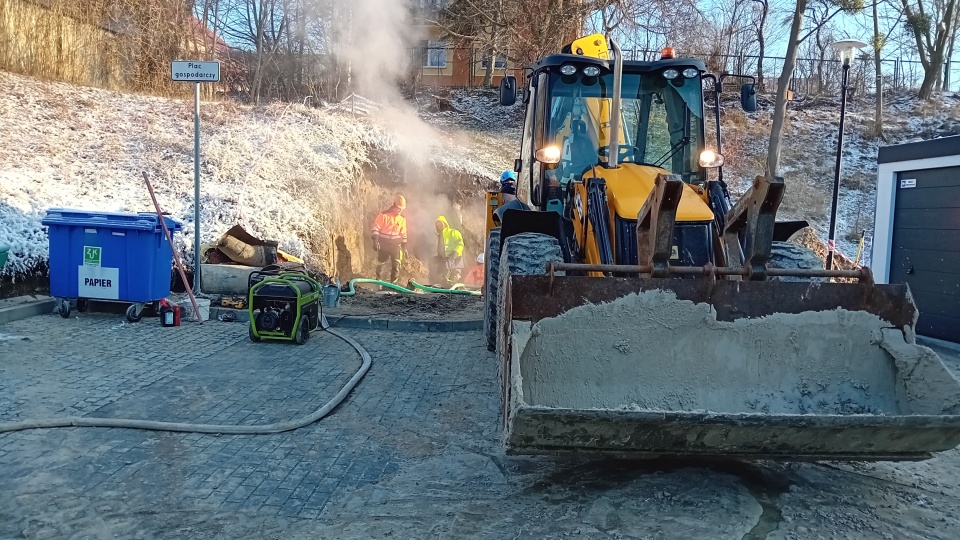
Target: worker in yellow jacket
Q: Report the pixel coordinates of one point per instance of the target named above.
(449, 252)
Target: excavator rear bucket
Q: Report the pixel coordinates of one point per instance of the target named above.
(700, 367)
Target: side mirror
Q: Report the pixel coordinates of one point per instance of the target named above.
(508, 91)
(748, 97)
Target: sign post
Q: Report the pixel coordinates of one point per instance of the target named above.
(195, 72)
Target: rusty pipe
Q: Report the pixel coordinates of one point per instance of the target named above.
(860, 274)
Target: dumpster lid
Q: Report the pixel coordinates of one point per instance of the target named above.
(143, 221)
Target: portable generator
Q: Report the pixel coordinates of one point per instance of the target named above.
(284, 306)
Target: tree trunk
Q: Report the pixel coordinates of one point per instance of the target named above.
(488, 72)
(930, 76)
(780, 108)
(931, 42)
(761, 41)
(877, 46)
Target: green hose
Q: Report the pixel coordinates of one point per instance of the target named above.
(453, 290)
(401, 289)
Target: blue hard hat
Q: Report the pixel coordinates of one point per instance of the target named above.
(508, 176)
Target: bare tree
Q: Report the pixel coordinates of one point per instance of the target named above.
(790, 60)
(950, 48)
(878, 42)
(780, 106)
(484, 24)
(932, 23)
(762, 11)
(262, 25)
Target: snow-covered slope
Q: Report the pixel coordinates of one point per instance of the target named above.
(285, 171)
(294, 173)
(809, 152)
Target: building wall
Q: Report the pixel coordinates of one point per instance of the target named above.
(38, 41)
(463, 69)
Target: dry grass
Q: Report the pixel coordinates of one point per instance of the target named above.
(928, 108)
(804, 199)
(88, 43)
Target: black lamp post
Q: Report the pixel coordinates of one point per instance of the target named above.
(847, 48)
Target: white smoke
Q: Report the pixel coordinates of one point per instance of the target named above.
(378, 40)
(378, 46)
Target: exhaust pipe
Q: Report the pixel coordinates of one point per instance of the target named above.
(614, 139)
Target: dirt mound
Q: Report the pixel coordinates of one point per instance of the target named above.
(391, 305)
(809, 238)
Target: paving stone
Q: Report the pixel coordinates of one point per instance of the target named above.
(413, 452)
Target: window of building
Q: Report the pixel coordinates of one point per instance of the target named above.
(434, 53)
(499, 63)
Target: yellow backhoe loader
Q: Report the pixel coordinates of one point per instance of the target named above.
(636, 311)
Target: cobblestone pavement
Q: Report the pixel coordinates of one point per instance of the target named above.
(412, 453)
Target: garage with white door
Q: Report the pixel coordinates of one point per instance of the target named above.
(917, 229)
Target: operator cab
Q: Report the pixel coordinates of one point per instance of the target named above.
(598, 132)
(567, 131)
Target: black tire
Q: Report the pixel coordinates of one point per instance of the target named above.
(523, 254)
(302, 331)
(790, 256)
(132, 314)
(491, 269)
(253, 337)
(63, 308)
(82, 305)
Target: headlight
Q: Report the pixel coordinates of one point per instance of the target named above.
(568, 69)
(591, 71)
(710, 159)
(670, 74)
(550, 154)
(690, 73)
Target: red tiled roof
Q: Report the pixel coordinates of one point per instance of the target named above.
(203, 33)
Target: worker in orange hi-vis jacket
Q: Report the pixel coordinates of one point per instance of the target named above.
(475, 275)
(390, 238)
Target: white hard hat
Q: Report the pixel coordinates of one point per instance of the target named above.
(480, 258)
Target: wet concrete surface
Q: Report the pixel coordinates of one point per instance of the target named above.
(414, 452)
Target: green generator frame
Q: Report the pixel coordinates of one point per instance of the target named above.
(283, 306)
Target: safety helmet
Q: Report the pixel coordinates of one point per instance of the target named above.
(400, 202)
(508, 176)
(480, 258)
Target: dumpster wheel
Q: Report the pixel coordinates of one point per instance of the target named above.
(63, 308)
(135, 312)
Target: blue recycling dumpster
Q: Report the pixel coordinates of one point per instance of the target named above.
(108, 256)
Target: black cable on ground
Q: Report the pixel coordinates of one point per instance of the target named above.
(277, 427)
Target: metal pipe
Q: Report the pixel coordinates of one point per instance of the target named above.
(196, 190)
(705, 270)
(614, 139)
(831, 243)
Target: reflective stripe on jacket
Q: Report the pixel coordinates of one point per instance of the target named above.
(391, 226)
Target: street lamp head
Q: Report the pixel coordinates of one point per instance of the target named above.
(847, 49)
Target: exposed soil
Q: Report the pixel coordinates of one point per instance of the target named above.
(391, 305)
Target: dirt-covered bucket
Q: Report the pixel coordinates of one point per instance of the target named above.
(646, 373)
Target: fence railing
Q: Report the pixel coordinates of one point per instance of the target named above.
(811, 76)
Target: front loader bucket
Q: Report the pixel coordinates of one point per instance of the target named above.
(742, 369)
